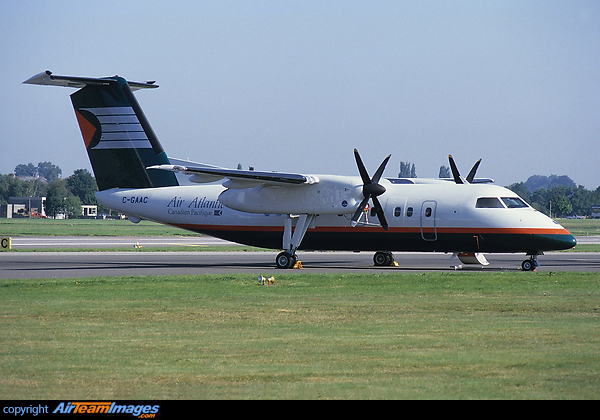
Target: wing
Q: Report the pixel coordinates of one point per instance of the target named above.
(473, 181)
(238, 179)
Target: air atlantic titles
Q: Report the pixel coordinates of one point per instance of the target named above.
(199, 206)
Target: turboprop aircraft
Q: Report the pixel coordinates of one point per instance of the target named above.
(288, 211)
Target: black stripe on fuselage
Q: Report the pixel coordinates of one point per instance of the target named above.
(354, 240)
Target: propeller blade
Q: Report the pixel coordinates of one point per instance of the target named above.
(358, 212)
(471, 175)
(455, 172)
(371, 189)
(361, 168)
(380, 214)
(380, 170)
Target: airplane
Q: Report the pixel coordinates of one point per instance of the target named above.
(467, 217)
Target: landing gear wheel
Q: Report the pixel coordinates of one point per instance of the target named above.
(285, 260)
(527, 265)
(383, 258)
(530, 264)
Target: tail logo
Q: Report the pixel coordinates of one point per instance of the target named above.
(87, 129)
(111, 128)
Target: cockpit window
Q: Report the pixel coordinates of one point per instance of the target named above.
(514, 202)
(488, 203)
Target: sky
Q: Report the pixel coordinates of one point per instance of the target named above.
(295, 86)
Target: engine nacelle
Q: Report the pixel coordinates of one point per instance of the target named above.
(331, 195)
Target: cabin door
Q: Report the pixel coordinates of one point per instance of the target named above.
(428, 229)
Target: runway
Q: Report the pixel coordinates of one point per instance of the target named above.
(39, 264)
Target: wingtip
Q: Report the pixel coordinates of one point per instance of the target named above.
(38, 78)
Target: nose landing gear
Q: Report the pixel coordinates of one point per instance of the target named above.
(531, 264)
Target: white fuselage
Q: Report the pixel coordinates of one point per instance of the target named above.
(427, 215)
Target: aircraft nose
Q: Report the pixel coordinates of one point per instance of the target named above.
(566, 241)
(572, 241)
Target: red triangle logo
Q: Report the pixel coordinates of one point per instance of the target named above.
(87, 129)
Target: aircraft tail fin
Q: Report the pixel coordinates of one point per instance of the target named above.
(119, 139)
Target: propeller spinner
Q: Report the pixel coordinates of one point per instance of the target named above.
(371, 190)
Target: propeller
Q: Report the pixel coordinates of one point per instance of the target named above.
(371, 190)
(459, 179)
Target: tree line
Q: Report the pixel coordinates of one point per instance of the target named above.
(63, 195)
(558, 200)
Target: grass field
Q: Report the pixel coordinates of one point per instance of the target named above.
(430, 336)
(85, 227)
(581, 227)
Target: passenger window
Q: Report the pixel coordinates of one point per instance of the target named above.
(488, 203)
(428, 212)
(398, 212)
(409, 212)
(514, 202)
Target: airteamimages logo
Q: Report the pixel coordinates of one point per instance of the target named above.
(142, 411)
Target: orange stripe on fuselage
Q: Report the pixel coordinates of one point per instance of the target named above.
(439, 230)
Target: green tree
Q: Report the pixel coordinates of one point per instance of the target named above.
(560, 201)
(19, 188)
(561, 206)
(444, 172)
(521, 190)
(539, 200)
(536, 182)
(25, 170)
(11, 186)
(83, 185)
(407, 170)
(5, 181)
(582, 201)
(45, 169)
(72, 207)
(49, 171)
(57, 195)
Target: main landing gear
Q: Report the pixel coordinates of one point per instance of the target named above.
(286, 260)
(381, 258)
(531, 264)
(292, 239)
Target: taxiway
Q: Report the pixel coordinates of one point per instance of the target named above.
(32, 265)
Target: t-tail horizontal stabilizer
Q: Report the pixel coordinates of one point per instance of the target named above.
(119, 139)
(46, 78)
